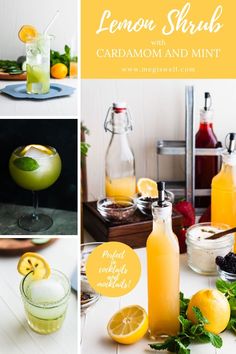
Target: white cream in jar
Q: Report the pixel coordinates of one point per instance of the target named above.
(202, 252)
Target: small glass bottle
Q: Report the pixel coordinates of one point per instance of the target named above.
(206, 167)
(223, 193)
(119, 162)
(163, 270)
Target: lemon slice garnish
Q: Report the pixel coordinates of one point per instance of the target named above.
(41, 148)
(35, 263)
(147, 187)
(27, 33)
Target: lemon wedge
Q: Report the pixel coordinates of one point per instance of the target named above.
(27, 33)
(128, 325)
(35, 263)
(147, 187)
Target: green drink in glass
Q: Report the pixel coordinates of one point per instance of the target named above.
(35, 167)
(38, 64)
(45, 301)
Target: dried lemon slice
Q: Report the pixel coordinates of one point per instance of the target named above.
(27, 33)
(33, 262)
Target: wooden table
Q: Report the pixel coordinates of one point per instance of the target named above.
(94, 337)
(64, 221)
(15, 335)
(62, 106)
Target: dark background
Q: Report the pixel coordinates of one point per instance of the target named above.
(58, 133)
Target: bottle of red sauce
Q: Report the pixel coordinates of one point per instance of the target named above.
(206, 167)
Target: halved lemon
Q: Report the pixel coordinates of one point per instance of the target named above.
(147, 187)
(128, 325)
(35, 263)
(27, 33)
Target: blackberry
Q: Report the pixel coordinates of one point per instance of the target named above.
(227, 263)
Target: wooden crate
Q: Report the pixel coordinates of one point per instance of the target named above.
(134, 232)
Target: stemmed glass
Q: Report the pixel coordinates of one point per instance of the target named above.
(35, 167)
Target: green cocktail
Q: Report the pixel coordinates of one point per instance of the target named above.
(35, 167)
(38, 64)
(46, 301)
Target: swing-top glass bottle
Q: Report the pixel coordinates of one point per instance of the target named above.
(119, 162)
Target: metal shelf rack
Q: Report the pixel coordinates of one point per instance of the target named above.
(187, 148)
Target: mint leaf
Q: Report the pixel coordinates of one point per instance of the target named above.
(26, 164)
(232, 324)
(186, 324)
(182, 349)
(215, 340)
(232, 303)
(67, 49)
(197, 329)
(164, 345)
(183, 304)
(199, 316)
(222, 285)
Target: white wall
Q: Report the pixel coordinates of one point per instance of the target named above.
(15, 13)
(157, 107)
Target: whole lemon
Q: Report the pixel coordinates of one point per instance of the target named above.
(214, 306)
(59, 71)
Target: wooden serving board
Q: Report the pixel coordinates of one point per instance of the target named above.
(19, 77)
(14, 247)
(133, 232)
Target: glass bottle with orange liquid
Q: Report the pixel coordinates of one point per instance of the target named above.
(223, 194)
(206, 167)
(120, 162)
(163, 271)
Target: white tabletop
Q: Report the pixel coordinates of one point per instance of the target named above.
(94, 337)
(15, 335)
(61, 106)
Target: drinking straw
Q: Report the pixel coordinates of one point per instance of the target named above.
(51, 22)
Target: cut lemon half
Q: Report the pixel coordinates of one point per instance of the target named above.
(147, 187)
(33, 262)
(27, 33)
(128, 325)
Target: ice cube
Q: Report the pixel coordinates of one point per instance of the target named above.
(46, 290)
(35, 152)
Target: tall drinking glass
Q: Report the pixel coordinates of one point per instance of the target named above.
(35, 167)
(38, 64)
(45, 301)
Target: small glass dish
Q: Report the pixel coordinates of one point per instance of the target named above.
(88, 297)
(144, 204)
(116, 209)
(226, 276)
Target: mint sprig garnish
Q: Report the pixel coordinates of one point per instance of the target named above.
(26, 164)
(189, 333)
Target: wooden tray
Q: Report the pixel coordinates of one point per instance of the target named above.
(134, 232)
(6, 76)
(14, 247)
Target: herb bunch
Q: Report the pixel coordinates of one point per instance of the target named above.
(229, 290)
(189, 332)
(65, 58)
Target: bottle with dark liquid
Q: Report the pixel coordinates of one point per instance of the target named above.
(206, 167)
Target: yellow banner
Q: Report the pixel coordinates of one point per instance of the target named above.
(158, 39)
